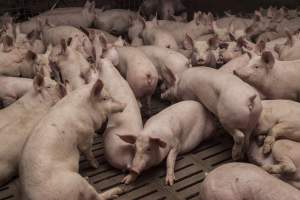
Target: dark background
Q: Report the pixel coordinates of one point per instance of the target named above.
(31, 7)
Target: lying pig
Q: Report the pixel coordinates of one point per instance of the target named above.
(13, 88)
(54, 35)
(72, 65)
(240, 181)
(282, 162)
(290, 49)
(115, 21)
(18, 120)
(237, 109)
(177, 129)
(162, 57)
(151, 34)
(138, 70)
(62, 139)
(278, 120)
(202, 51)
(274, 79)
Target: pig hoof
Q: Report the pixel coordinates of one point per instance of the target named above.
(289, 169)
(267, 149)
(94, 164)
(170, 179)
(128, 179)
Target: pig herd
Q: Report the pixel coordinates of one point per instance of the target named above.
(65, 72)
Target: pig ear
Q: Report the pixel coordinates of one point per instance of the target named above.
(31, 56)
(290, 39)
(260, 46)
(97, 88)
(119, 42)
(268, 58)
(213, 42)
(38, 82)
(159, 142)
(8, 43)
(49, 50)
(168, 75)
(131, 139)
(188, 42)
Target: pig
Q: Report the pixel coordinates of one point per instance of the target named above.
(54, 35)
(138, 70)
(176, 130)
(274, 79)
(283, 162)
(18, 120)
(17, 62)
(202, 51)
(151, 34)
(72, 65)
(238, 109)
(235, 63)
(162, 57)
(165, 9)
(115, 21)
(13, 88)
(241, 181)
(200, 25)
(278, 120)
(118, 153)
(289, 50)
(62, 139)
(83, 18)
(55, 11)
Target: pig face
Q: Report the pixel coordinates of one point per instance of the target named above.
(136, 28)
(41, 61)
(89, 11)
(257, 70)
(102, 101)
(146, 151)
(202, 51)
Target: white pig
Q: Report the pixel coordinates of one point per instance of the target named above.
(237, 108)
(274, 79)
(13, 88)
(290, 49)
(18, 120)
(176, 130)
(240, 181)
(60, 140)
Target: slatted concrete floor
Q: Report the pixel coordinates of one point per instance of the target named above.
(190, 172)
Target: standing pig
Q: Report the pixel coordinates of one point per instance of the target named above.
(279, 120)
(115, 21)
(54, 35)
(202, 51)
(238, 109)
(13, 88)
(60, 140)
(241, 181)
(138, 70)
(72, 65)
(290, 49)
(151, 34)
(177, 129)
(274, 79)
(18, 120)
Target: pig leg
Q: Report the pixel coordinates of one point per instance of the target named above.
(275, 132)
(86, 148)
(171, 159)
(285, 163)
(130, 178)
(239, 142)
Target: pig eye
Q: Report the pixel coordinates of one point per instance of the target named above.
(256, 67)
